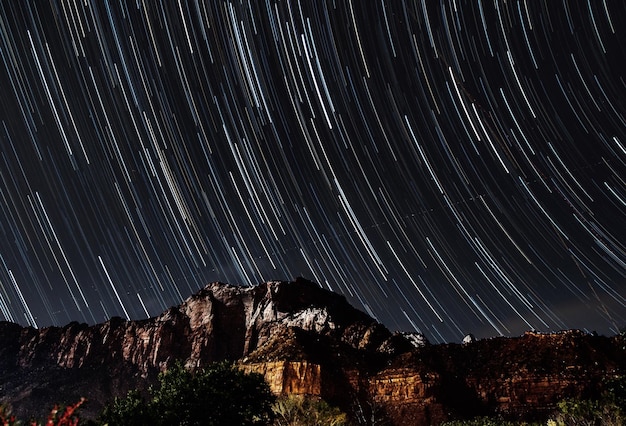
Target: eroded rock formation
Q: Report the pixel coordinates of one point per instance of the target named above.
(306, 340)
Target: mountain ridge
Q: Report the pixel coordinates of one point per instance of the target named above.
(219, 322)
(305, 340)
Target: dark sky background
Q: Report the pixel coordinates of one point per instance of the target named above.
(451, 167)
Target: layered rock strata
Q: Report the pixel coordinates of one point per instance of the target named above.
(306, 340)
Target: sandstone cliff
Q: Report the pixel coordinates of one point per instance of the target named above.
(520, 378)
(220, 322)
(306, 340)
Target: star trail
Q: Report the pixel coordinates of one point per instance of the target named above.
(451, 166)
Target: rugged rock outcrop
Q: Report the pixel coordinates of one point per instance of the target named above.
(220, 322)
(306, 340)
(520, 378)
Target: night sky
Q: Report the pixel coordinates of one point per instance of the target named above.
(451, 167)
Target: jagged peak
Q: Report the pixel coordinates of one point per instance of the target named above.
(285, 297)
(417, 340)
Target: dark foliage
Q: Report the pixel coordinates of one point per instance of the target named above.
(218, 395)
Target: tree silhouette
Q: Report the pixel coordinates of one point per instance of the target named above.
(218, 395)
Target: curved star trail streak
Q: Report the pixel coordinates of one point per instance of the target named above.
(451, 167)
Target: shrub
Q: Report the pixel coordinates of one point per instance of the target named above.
(57, 416)
(63, 417)
(589, 413)
(487, 421)
(132, 410)
(6, 418)
(608, 410)
(218, 395)
(298, 410)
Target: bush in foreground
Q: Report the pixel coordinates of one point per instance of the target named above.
(58, 416)
(218, 395)
(299, 410)
(488, 421)
(609, 409)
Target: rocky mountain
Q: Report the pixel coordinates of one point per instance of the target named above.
(274, 320)
(305, 340)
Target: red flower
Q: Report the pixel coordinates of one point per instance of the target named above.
(66, 418)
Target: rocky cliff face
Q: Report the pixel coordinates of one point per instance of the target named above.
(520, 378)
(305, 340)
(220, 322)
